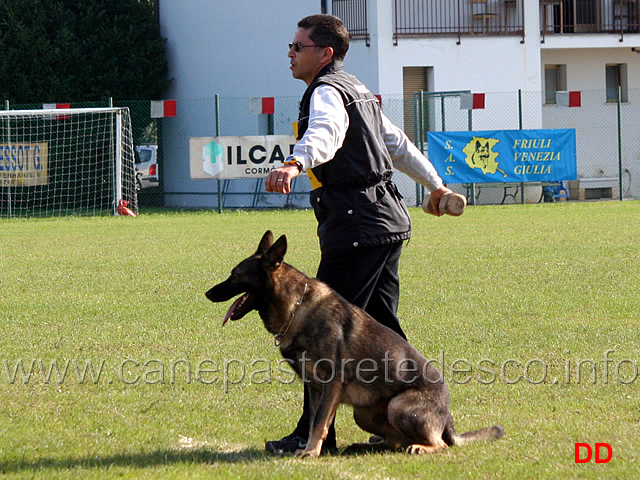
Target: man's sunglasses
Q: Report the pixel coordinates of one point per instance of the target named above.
(296, 46)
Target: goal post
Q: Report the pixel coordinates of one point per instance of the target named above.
(73, 161)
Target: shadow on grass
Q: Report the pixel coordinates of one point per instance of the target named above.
(138, 460)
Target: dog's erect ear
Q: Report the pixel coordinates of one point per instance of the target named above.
(275, 255)
(266, 242)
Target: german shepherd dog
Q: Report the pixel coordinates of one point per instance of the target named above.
(344, 356)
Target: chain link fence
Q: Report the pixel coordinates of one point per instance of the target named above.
(607, 136)
(608, 143)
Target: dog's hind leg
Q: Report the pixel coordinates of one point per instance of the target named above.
(421, 422)
(374, 420)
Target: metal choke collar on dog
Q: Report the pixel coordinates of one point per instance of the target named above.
(277, 338)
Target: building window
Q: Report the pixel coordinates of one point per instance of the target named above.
(616, 77)
(555, 80)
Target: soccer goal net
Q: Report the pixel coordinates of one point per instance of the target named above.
(77, 161)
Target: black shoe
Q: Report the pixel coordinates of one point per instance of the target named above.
(291, 443)
(285, 445)
(329, 449)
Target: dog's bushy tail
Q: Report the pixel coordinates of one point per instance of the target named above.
(452, 438)
(490, 433)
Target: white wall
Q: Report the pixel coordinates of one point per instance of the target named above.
(596, 120)
(232, 48)
(586, 66)
(477, 66)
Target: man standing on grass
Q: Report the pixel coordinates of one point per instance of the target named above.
(349, 149)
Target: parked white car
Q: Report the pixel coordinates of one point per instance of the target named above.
(146, 166)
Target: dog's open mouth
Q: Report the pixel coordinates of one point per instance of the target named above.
(239, 308)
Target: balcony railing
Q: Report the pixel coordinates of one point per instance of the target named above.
(458, 17)
(354, 15)
(559, 17)
(495, 17)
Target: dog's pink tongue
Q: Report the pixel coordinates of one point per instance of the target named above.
(232, 309)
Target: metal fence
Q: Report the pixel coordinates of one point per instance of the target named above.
(608, 144)
(607, 140)
(197, 118)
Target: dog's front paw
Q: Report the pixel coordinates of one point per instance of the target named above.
(308, 453)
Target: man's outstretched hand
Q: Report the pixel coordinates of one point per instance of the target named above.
(444, 201)
(279, 179)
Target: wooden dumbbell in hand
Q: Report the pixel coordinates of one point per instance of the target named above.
(450, 203)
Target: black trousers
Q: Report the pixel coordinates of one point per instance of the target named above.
(368, 278)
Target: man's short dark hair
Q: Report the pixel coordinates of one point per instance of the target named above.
(327, 31)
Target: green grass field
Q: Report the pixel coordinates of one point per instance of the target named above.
(114, 365)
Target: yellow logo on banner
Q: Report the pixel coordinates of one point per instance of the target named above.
(479, 154)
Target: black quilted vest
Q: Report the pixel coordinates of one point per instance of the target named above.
(358, 204)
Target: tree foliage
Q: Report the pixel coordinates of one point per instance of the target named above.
(80, 51)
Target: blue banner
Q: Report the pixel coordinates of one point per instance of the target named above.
(494, 156)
